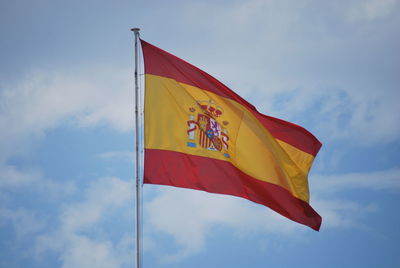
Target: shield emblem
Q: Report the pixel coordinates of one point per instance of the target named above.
(210, 132)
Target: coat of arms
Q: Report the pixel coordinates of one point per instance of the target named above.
(205, 130)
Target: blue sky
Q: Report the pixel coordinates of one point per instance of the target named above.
(66, 139)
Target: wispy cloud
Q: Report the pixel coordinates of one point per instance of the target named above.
(371, 10)
(120, 155)
(24, 221)
(44, 100)
(13, 180)
(339, 213)
(339, 72)
(72, 239)
(378, 180)
(11, 177)
(188, 216)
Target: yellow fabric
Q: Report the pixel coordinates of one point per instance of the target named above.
(169, 106)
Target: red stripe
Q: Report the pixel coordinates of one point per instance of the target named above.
(202, 139)
(217, 176)
(161, 63)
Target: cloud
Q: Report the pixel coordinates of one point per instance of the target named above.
(189, 216)
(340, 72)
(338, 213)
(343, 115)
(293, 50)
(24, 221)
(11, 177)
(45, 100)
(371, 10)
(80, 239)
(378, 180)
(119, 155)
(15, 183)
(13, 180)
(100, 195)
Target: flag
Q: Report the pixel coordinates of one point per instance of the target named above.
(199, 134)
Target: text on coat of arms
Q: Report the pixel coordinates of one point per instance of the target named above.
(206, 130)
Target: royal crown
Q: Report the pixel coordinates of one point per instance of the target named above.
(211, 108)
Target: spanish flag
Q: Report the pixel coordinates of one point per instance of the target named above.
(201, 135)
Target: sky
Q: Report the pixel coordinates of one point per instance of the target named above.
(67, 136)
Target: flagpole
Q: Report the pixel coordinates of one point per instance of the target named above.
(137, 168)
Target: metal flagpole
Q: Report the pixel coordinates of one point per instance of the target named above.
(137, 133)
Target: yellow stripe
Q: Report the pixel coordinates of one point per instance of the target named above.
(252, 149)
(302, 159)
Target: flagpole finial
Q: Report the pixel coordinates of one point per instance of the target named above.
(135, 30)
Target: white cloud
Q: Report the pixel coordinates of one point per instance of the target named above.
(11, 179)
(286, 48)
(342, 213)
(121, 155)
(44, 100)
(371, 9)
(83, 252)
(308, 50)
(345, 115)
(333, 72)
(100, 195)
(24, 221)
(72, 239)
(378, 180)
(189, 215)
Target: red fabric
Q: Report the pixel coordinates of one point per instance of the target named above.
(161, 63)
(217, 176)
